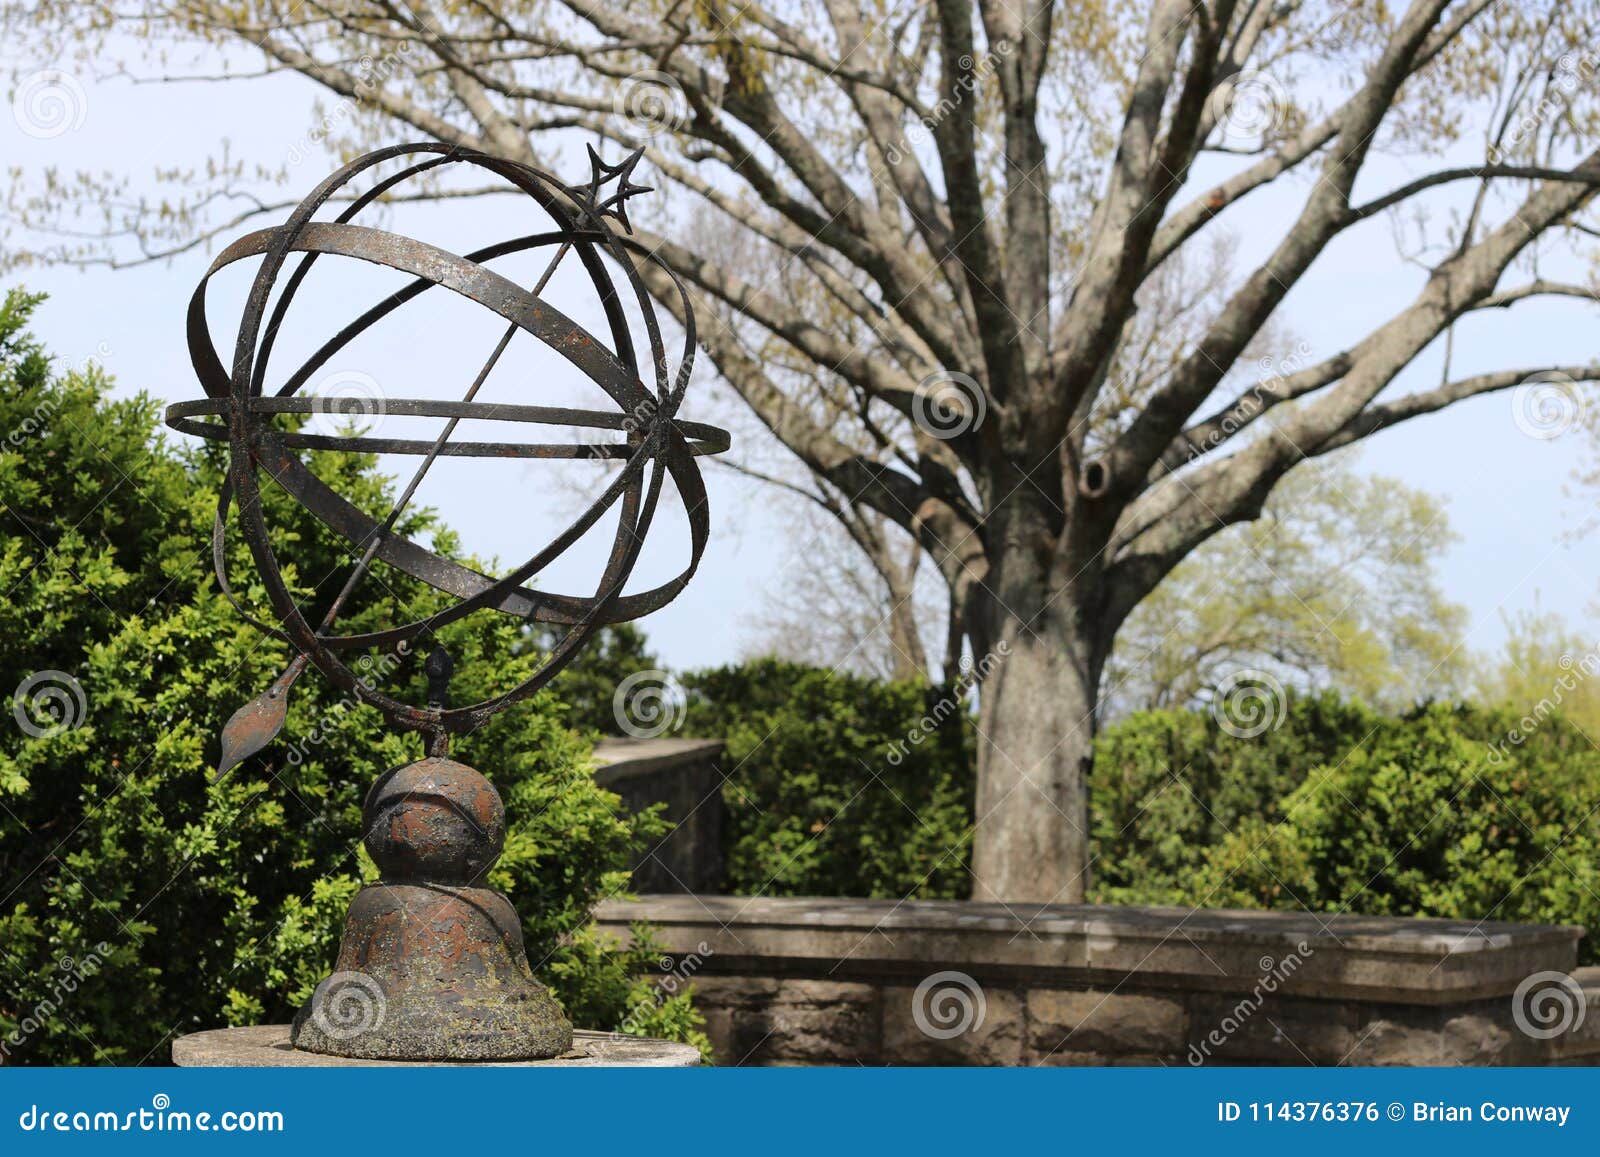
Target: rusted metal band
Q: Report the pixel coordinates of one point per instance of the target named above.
(701, 438)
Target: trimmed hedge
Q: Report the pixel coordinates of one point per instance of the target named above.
(1426, 818)
(836, 787)
(1168, 786)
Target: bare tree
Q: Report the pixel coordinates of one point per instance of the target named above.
(858, 601)
(972, 194)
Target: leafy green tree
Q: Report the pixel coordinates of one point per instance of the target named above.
(1334, 586)
(197, 905)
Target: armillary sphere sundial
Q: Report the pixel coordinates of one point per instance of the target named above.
(431, 965)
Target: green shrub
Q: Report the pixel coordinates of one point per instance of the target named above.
(836, 785)
(1169, 785)
(1426, 818)
(144, 902)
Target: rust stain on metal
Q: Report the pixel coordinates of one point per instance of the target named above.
(258, 722)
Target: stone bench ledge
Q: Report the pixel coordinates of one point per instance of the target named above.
(617, 759)
(1384, 959)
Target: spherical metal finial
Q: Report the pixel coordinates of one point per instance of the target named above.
(435, 820)
(652, 444)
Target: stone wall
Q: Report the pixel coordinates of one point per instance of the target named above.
(685, 775)
(805, 981)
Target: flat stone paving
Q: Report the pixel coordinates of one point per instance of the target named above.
(267, 1046)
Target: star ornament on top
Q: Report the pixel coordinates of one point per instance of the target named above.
(601, 175)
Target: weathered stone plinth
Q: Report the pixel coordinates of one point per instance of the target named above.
(431, 964)
(267, 1046)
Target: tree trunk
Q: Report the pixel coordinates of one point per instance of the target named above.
(1037, 715)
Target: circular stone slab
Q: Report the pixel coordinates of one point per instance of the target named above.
(267, 1046)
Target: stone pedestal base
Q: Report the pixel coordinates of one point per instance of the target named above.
(267, 1046)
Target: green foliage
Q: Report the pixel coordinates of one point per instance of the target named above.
(1335, 585)
(630, 986)
(838, 785)
(1545, 665)
(1437, 812)
(1167, 786)
(1434, 815)
(202, 904)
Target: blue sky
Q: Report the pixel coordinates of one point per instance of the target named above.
(1506, 492)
